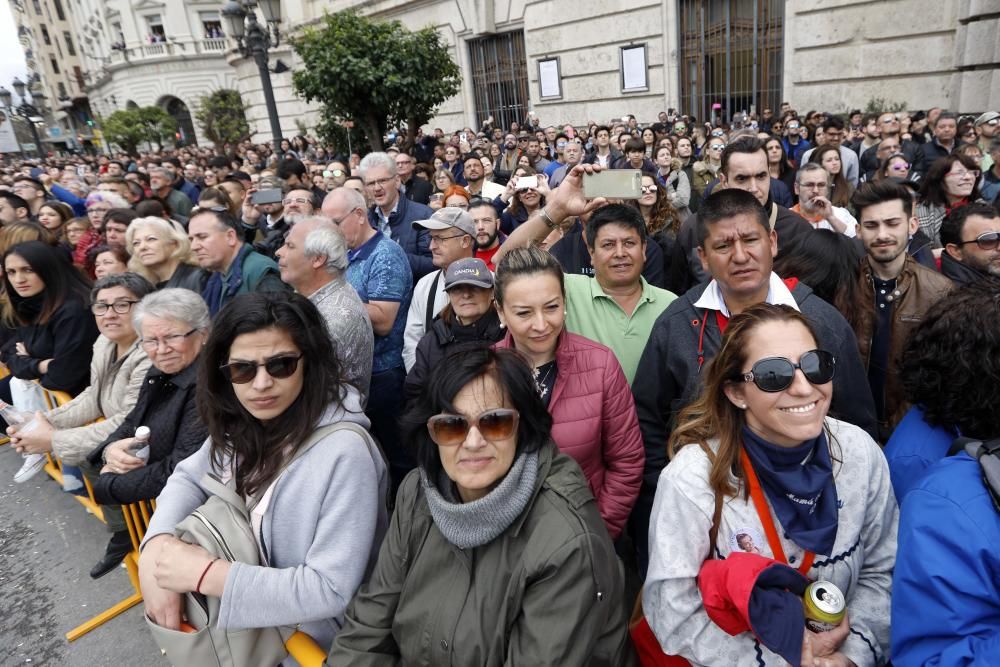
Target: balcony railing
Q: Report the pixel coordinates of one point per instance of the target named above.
(169, 49)
(213, 44)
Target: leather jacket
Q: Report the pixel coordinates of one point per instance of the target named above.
(917, 289)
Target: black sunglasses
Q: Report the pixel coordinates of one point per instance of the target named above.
(775, 374)
(987, 241)
(280, 367)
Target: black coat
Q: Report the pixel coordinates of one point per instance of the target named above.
(166, 404)
(446, 338)
(186, 276)
(418, 190)
(67, 339)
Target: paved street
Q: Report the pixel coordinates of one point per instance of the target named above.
(48, 543)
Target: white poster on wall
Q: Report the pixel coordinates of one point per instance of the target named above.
(8, 140)
(634, 68)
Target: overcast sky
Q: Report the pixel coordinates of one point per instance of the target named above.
(11, 56)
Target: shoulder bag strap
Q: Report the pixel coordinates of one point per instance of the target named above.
(431, 299)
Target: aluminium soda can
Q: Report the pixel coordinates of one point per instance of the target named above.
(824, 606)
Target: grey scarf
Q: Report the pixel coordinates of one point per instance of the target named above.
(469, 525)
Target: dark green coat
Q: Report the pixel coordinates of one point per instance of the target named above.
(548, 591)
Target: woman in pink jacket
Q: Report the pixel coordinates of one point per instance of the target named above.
(580, 381)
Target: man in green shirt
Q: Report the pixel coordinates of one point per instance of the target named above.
(617, 307)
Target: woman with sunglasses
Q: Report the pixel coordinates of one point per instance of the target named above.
(496, 553)
(706, 170)
(580, 381)
(950, 182)
(172, 325)
(117, 370)
(756, 455)
(895, 166)
(661, 218)
(267, 381)
(524, 199)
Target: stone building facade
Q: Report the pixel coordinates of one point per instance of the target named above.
(571, 61)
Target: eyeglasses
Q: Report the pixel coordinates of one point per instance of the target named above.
(439, 239)
(888, 119)
(899, 167)
(447, 430)
(718, 147)
(991, 122)
(959, 175)
(301, 201)
(647, 189)
(379, 183)
(171, 341)
(335, 173)
(793, 127)
(242, 372)
(775, 374)
(987, 241)
(121, 307)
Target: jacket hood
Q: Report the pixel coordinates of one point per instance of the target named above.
(348, 410)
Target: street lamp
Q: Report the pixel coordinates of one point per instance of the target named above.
(254, 39)
(30, 112)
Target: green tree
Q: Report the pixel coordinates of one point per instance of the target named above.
(130, 127)
(376, 73)
(222, 117)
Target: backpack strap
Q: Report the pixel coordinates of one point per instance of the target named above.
(431, 299)
(987, 454)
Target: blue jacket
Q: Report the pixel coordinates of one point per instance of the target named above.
(795, 152)
(78, 204)
(914, 447)
(415, 243)
(946, 587)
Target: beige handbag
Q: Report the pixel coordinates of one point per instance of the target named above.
(222, 527)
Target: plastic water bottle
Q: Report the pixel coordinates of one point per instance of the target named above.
(140, 448)
(13, 416)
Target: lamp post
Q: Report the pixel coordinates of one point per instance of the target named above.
(254, 39)
(30, 112)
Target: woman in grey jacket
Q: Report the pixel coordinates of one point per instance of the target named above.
(496, 554)
(318, 523)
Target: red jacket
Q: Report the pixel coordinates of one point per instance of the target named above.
(594, 421)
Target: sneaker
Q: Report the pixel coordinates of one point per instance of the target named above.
(32, 464)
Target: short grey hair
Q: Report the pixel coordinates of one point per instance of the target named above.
(133, 282)
(326, 240)
(165, 173)
(173, 303)
(352, 197)
(373, 160)
(811, 166)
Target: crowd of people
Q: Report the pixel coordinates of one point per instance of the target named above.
(479, 417)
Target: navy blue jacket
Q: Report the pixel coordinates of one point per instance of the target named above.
(416, 243)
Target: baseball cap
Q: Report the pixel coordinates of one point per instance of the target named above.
(468, 271)
(987, 117)
(447, 217)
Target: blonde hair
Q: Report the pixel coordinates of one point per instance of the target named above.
(170, 231)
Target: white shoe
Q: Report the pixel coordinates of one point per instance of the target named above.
(32, 464)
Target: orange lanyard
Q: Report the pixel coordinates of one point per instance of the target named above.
(764, 512)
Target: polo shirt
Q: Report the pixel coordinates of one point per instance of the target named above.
(380, 271)
(595, 315)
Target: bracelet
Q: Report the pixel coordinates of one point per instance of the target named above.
(197, 589)
(548, 221)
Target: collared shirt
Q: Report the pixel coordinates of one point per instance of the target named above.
(593, 314)
(380, 271)
(778, 294)
(383, 219)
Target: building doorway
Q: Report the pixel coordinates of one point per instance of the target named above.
(731, 55)
(185, 127)
(500, 78)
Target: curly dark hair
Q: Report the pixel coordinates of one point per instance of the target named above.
(951, 364)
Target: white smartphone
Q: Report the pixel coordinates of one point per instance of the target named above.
(526, 183)
(613, 184)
